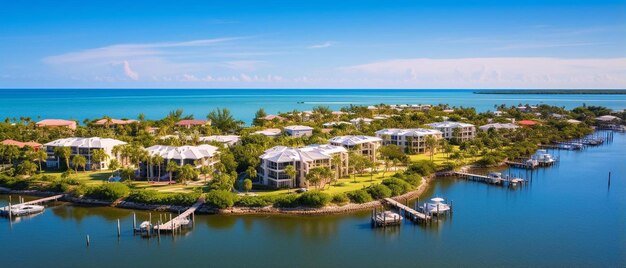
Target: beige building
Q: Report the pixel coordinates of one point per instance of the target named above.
(455, 131)
(413, 140)
(274, 161)
(364, 145)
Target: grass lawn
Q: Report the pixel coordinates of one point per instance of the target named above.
(440, 158)
(99, 177)
(341, 186)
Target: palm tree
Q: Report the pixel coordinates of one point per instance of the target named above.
(251, 172)
(79, 161)
(65, 153)
(336, 162)
(388, 164)
(223, 120)
(171, 168)
(98, 156)
(431, 142)
(158, 161)
(290, 170)
(40, 156)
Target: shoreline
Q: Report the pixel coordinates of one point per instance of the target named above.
(268, 210)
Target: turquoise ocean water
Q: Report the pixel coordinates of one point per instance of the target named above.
(243, 103)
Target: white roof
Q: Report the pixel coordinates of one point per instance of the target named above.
(229, 139)
(183, 152)
(354, 140)
(269, 132)
(298, 127)
(93, 142)
(361, 119)
(449, 124)
(281, 154)
(330, 124)
(499, 126)
(415, 132)
(607, 118)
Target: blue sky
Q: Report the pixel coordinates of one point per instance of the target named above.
(313, 44)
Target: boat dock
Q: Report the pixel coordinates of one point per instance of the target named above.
(491, 179)
(408, 212)
(524, 165)
(180, 220)
(6, 211)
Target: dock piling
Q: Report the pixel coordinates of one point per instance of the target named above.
(118, 228)
(88, 243)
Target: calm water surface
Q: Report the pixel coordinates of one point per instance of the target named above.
(128, 103)
(567, 217)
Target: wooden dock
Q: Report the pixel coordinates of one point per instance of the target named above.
(180, 220)
(529, 165)
(6, 209)
(491, 180)
(408, 212)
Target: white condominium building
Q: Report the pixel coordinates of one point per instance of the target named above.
(365, 145)
(274, 161)
(84, 147)
(463, 132)
(413, 140)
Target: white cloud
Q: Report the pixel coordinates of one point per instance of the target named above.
(129, 72)
(120, 51)
(323, 45)
(511, 72)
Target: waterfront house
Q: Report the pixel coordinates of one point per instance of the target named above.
(364, 145)
(270, 132)
(336, 124)
(34, 145)
(112, 121)
(412, 140)
(188, 123)
(57, 123)
(527, 123)
(272, 117)
(228, 140)
(498, 126)
(361, 121)
(84, 147)
(274, 161)
(197, 156)
(456, 131)
(299, 131)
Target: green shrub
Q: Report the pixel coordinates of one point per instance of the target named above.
(110, 191)
(340, 198)
(379, 191)
(253, 201)
(413, 179)
(286, 201)
(221, 198)
(314, 199)
(15, 183)
(422, 167)
(359, 196)
(155, 197)
(397, 186)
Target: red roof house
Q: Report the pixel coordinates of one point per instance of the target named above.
(20, 144)
(192, 122)
(57, 123)
(527, 123)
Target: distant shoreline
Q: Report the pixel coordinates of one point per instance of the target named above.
(556, 91)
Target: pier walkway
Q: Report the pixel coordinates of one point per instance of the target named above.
(181, 219)
(408, 212)
(491, 179)
(6, 210)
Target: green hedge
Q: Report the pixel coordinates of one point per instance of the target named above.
(397, 186)
(340, 198)
(253, 201)
(14, 183)
(155, 197)
(314, 199)
(110, 191)
(221, 199)
(379, 191)
(359, 196)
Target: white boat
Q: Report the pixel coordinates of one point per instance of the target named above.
(145, 226)
(437, 206)
(21, 210)
(495, 177)
(543, 157)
